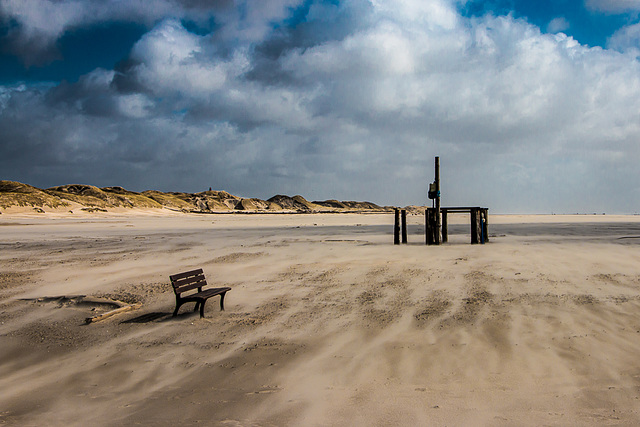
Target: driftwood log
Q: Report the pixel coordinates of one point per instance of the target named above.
(122, 307)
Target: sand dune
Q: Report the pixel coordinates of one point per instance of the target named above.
(78, 198)
(327, 323)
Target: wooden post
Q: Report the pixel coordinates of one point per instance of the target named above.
(430, 223)
(437, 212)
(426, 226)
(474, 226)
(481, 216)
(396, 228)
(485, 224)
(403, 214)
(445, 231)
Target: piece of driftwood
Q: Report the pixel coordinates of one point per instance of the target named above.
(122, 307)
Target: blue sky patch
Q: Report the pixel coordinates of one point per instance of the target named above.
(587, 27)
(79, 52)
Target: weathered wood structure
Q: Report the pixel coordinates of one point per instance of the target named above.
(400, 226)
(479, 224)
(436, 221)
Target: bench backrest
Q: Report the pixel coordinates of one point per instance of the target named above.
(183, 282)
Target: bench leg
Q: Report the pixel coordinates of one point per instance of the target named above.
(175, 312)
(202, 308)
(222, 301)
(196, 307)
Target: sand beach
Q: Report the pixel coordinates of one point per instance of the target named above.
(327, 323)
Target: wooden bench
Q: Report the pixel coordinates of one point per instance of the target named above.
(190, 280)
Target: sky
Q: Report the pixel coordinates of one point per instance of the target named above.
(532, 106)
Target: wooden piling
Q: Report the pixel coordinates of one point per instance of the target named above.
(476, 226)
(437, 212)
(445, 231)
(396, 228)
(485, 224)
(427, 226)
(430, 225)
(403, 214)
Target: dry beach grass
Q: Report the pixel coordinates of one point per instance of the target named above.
(327, 323)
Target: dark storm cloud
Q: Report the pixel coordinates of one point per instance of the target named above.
(32, 49)
(33, 28)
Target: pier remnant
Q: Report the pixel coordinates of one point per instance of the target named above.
(396, 227)
(400, 226)
(436, 221)
(479, 222)
(436, 218)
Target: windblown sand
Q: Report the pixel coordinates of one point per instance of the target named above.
(328, 323)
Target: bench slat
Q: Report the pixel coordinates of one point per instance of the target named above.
(186, 274)
(186, 288)
(184, 282)
(188, 280)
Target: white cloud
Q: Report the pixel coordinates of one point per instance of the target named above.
(136, 106)
(434, 13)
(254, 23)
(167, 60)
(558, 24)
(626, 39)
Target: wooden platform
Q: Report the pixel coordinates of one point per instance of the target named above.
(479, 224)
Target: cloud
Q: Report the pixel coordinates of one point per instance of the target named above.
(36, 25)
(626, 39)
(613, 6)
(167, 59)
(334, 107)
(558, 24)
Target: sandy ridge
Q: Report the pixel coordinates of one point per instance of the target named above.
(88, 198)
